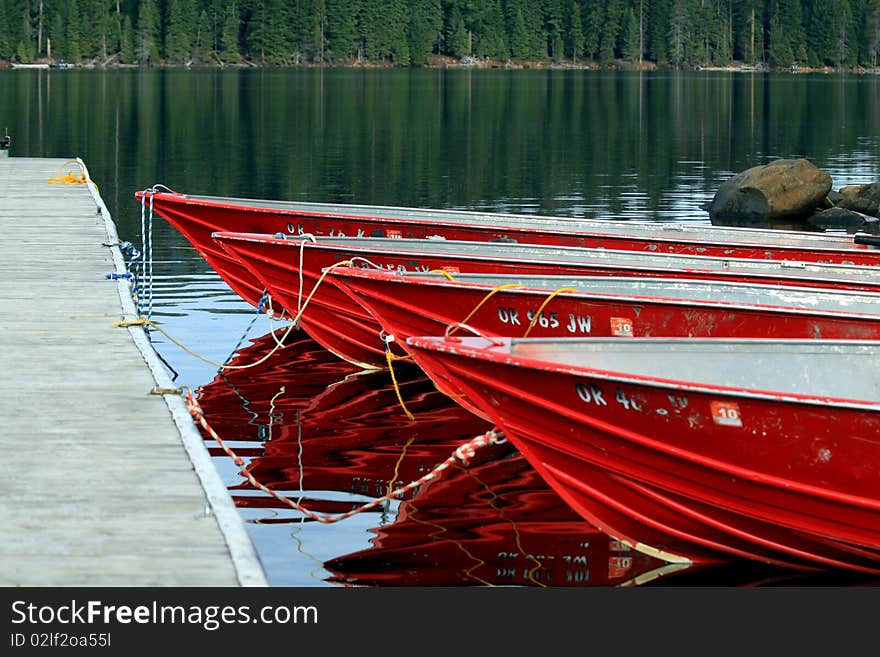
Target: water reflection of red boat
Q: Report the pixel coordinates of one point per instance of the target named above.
(248, 403)
(348, 330)
(493, 523)
(196, 217)
(497, 524)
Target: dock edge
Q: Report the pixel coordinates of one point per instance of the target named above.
(245, 560)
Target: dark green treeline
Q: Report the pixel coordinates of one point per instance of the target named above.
(680, 33)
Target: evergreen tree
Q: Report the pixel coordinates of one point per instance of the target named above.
(457, 40)
(426, 22)
(204, 37)
(822, 36)
(610, 31)
(657, 31)
(5, 33)
(574, 31)
(180, 30)
(629, 37)
(781, 53)
(678, 32)
(536, 30)
(846, 46)
(73, 33)
(265, 34)
(518, 39)
(229, 47)
(491, 40)
(126, 47)
(147, 43)
(26, 49)
(55, 35)
(319, 27)
(871, 39)
(787, 38)
(341, 29)
(593, 19)
(553, 19)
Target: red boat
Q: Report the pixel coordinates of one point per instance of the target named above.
(197, 217)
(193, 214)
(342, 326)
(426, 304)
(687, 449)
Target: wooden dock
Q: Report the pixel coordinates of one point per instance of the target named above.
(104, 484)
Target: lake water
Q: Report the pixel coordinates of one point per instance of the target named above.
(575, 143)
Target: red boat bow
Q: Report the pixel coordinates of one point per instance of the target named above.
(783, 470)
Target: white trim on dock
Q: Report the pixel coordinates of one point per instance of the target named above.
(241, 549)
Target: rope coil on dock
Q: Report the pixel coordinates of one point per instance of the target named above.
(70, 178)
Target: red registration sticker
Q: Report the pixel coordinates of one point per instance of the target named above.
(618, 566)
(621, 327)
(726, 413)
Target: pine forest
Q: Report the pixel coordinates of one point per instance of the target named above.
(842, 34)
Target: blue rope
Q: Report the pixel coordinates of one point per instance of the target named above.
(131, 264)
(150, 258)
(144, 259)
(141, 265)
(263, 300)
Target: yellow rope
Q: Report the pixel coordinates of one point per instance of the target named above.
(71, 178)
(390, 357)
(543, 305)
(508, 286)
(444, 272)
(143, 321)
(397, 465)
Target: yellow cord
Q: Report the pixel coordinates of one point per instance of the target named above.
(508, 286)
(71, 178)
(390, 357)
(444, 272)
(398, 464)
(143, 321)
(543, 305)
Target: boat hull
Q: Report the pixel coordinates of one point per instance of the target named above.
(343, 326)
(684, 471)
(245, 215)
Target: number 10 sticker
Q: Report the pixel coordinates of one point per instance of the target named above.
(726, 413)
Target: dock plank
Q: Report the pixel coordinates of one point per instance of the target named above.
(99, 487)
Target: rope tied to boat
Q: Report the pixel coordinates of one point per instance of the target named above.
(462, 455)
(499, 288)
(149, 323)
(263, 299)
(549, 298)
(390, 357)
(144, 259)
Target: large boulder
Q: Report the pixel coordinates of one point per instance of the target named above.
(781, 189)
(861, 198)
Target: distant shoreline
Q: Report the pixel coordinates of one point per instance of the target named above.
(443, 62)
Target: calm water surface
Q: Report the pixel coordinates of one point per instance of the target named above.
(576, 143)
